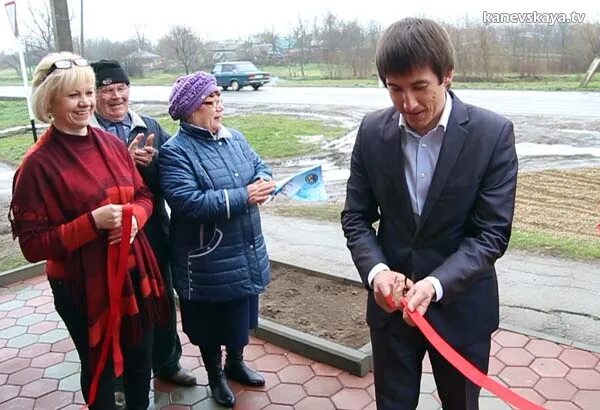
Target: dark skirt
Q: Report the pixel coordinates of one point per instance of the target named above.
(219, 324)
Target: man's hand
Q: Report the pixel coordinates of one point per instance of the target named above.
(419, 296)
(259, 191)
(135, 144)
(142, 156)
(389, 282)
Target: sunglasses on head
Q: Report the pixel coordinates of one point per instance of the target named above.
(66, 64)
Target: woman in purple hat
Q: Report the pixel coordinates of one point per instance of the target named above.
(214, 181)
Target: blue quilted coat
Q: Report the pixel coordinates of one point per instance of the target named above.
(216, 242)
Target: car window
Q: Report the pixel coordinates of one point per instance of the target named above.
(227, 68)
(217, 69)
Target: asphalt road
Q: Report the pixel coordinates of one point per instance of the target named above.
(554, 103)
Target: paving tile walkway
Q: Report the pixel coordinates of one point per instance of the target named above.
(39, 369)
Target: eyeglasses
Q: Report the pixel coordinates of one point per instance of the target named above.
(66, 64)
(214, 103)
(119, 88)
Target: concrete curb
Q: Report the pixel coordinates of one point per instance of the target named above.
(21, 273)
(353, 361)
(319, 274)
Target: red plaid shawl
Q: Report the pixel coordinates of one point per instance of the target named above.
(60, 181)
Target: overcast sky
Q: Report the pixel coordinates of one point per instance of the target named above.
(232, 19)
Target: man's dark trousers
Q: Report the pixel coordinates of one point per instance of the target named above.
(398, 352)
(166, 350)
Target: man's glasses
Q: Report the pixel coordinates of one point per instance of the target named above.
(214, 103)
(66, 64)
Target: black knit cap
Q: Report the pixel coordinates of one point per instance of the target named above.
(109, 72)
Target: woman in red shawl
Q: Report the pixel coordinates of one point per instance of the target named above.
(68, 200)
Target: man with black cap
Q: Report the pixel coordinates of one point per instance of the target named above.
(144, 136)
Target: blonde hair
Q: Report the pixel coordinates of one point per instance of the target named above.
(47, 87)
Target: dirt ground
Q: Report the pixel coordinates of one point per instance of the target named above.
(560, 202)
(322, 307)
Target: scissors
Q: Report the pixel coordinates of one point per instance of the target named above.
(390, 298)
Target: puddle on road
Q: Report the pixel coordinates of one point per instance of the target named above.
(543, 142)
(531, 149)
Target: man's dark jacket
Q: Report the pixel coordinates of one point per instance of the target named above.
(465, 224)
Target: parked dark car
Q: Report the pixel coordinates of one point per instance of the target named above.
(239, 74)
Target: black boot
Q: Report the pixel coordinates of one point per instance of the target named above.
(216, 378)
(236, 369)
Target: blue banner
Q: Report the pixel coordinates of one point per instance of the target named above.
(306, 185)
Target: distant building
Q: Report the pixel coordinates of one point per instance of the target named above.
(142, 60)
(230, 50)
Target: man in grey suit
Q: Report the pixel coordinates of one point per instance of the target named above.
(440, 177)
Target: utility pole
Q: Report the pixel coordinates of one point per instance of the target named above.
(62, 25)
(11, 11)
(81, 45)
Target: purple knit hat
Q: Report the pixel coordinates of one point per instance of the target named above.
(189, 92)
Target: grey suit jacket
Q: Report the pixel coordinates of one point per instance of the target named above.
(465, 224)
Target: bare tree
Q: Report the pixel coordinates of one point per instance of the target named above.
(348, 48)
(352, 42)
(514, 36)
(270, 37)
(302, 40)
(358, 47)
(462, 61)
(367, 53)
(12, 61)
(40, 37)
(245, 51)
(485, 37)
(330, 38)
(182, 44)
(103, 48)
(591, 34)
(142, 41)
(563, 32)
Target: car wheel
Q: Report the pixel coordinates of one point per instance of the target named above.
(256, 86)
(235, 86)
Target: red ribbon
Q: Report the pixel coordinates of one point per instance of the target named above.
(461, 364)
(117, 257)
